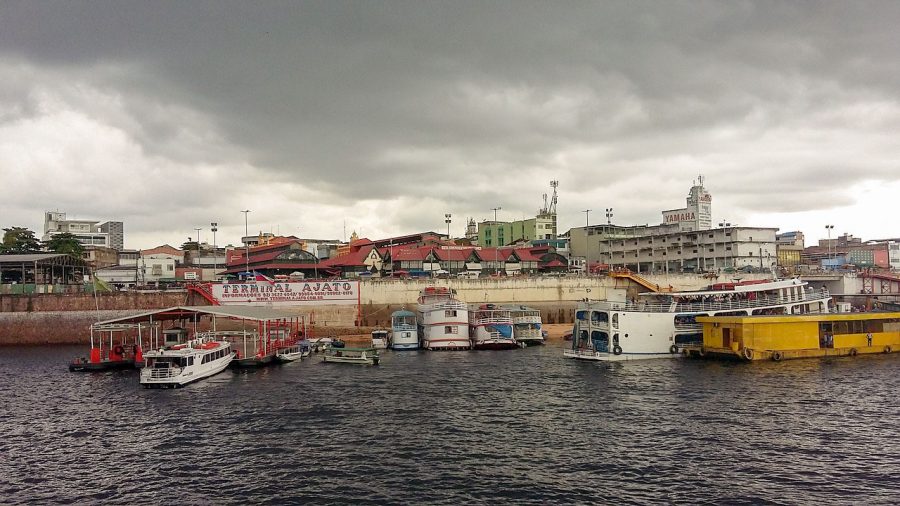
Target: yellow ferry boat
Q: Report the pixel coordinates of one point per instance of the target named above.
(782, 337)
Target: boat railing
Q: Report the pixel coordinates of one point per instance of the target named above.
(160, 373)
(491, 320)
(528, 333)
(527, 319)
(711, 305)
(688, 327)
(403, 327)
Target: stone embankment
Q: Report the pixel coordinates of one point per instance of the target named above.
(66, 318)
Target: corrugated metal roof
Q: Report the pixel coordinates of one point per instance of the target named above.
(30, 257)
(255, 313)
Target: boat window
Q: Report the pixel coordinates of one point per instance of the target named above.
(599, 316)
(615, 319)
(450, 312)
(615, 339)
(581, 315)
(190, 361)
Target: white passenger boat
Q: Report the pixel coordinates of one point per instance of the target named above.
(404, 335)
(526, 325)
(380, 339)
(364, 356)
(661, 324)
(491, 328)
(443, 320)
(180, 364)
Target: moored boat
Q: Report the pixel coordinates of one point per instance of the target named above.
(403, 330)
(661, 324)
(443, 320)
(380, 339)
(177, 365)
(364, 356)
(526, 325)
(113, 347)
(291, 353)
(785, 337)
(491, 328)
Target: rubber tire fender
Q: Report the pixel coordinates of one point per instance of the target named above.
(673, 349)
(777, 356)
(887, 349)
(852, 352)
(748, 353)
(617, 350)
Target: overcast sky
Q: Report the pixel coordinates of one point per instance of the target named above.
(380, 117)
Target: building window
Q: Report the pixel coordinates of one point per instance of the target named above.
(695, 251)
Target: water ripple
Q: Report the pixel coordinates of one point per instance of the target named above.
(517, 427)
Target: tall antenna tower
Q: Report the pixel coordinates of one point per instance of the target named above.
(553, 184)
(550, 208)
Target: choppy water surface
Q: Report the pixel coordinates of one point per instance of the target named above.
(523, 426)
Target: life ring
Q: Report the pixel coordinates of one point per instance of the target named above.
(748, 353)
(673, 349)
(777, 356)
(852, 352)
(118, 349)
(617, 350)
(887, 349)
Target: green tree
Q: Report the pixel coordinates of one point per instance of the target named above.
(190, 246)
(18, 240)
(64, 243)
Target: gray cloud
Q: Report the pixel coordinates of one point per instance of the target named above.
(414, 109)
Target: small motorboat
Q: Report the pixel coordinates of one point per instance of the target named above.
(380, 339)
(363, 356)
(288, 353)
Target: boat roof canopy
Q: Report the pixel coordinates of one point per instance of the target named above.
(738, 288)
(254, 313)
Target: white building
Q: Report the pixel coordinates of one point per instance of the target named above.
(88, 232)
(684, 242)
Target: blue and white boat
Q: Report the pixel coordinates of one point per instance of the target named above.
(491, 328)
(404, 335)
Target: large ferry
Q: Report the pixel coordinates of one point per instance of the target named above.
(660, 324)
(491, 328)
(178, 365)
(443, 320)
(526, 325)
(403, 331)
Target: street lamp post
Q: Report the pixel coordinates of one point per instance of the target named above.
(609, 215)
(587, 242)
(447, 221)
(214, 227)
(246, 244)
(828, 229)
(496, 243)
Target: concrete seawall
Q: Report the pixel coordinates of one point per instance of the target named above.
(66, 318)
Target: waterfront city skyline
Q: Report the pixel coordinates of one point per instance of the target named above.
(381, 118)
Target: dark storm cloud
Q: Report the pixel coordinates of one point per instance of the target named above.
(472, 102)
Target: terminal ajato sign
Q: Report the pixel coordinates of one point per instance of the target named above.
(265, 293)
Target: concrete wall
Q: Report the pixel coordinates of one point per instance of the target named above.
(66, 318)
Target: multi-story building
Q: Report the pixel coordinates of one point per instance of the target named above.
(790, 249)
(684, 242)
(495, 233)
(88, 232)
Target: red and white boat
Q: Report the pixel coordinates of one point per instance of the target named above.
(443, 320)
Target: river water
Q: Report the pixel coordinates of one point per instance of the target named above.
(484, 427)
